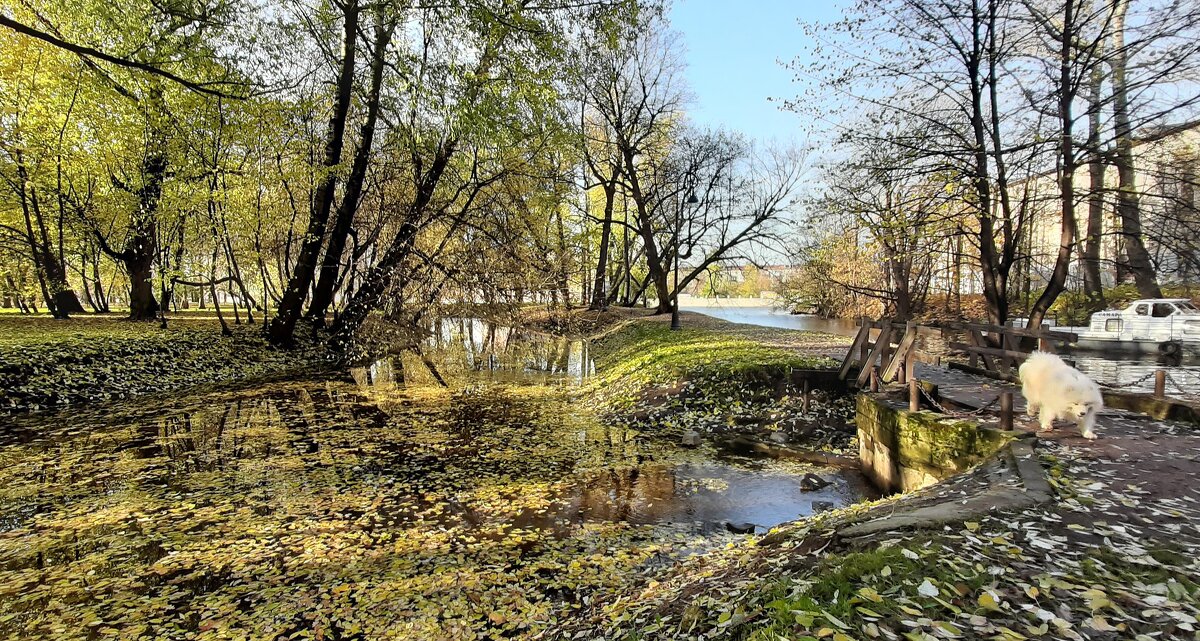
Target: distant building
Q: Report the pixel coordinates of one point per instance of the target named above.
(1167, 162)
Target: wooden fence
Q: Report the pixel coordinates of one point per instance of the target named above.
(890, 356)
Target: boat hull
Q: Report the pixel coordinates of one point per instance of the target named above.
(1187, 348)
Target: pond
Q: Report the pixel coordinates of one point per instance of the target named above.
(375, 503)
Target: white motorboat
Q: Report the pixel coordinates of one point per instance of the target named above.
(1167, 326)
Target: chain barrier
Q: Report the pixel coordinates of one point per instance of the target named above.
(941, 408)
(1130, 384)
(1180, 388)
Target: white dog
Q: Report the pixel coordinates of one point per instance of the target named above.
(1054, 389)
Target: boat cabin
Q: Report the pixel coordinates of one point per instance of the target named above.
(1151, 320)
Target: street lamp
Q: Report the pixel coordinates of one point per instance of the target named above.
(691, 200)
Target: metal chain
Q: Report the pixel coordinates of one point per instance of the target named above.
(1173, 382)
(941, 408)
(1130, 384)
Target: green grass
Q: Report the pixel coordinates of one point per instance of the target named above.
(846, 591)
(645, 354)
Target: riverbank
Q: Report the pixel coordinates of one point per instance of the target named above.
(1069, 539)
(719, 379)
(53, 364)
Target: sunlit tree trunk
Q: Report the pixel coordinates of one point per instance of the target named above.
(1128, 206)
(283, 326)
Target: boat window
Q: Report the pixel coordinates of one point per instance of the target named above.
(1112, 325)
(1188, 309)
(1163, 310)
(1142, 310)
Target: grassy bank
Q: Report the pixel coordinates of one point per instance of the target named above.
(47, 363)
(716, 377)
(712, 363)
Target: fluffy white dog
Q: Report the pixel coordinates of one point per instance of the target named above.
(1053, 389)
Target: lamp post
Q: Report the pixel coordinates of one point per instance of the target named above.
(691, 200)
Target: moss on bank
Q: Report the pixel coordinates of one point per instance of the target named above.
(708, 366)
(719, 378)
(46, 363)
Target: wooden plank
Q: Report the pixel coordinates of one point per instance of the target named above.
(902, 352)
(977, 341)
(990, 351)
(881, 343)
(863, 332)
(983, 372)
(1009, 343)
(1068, 337)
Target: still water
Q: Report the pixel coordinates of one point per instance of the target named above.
(378, 500)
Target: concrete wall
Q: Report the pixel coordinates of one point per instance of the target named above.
(901, 451)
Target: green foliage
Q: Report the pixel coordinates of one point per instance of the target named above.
(48, 363)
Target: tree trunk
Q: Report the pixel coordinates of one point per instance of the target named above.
(658, 272)
(1066, 177)
(376, 282)
(599, 295)
(331, 265)
(995, 283)
(283, 326)
(1128, 206)
(1093, 286)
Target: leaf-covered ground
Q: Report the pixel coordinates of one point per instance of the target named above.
(718, 377)
(47, 363)
(326, 509)
(1113, 556)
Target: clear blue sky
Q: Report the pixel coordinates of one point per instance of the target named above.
(733, 55)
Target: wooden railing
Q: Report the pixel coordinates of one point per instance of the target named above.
(892, 353)
(1001, 349)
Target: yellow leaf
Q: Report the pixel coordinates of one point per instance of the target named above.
(988, 601)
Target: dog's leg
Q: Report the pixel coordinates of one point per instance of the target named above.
(1046, 418)
(1031, 407)
(1087, 424)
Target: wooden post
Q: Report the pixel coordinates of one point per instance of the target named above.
(1006, 411)
(1044, 343)
(1160, 383)
(806, 397)
(855, 354)
(881, 343)
(874, 379)
(865, 348)
(914, 395)
(910, 364)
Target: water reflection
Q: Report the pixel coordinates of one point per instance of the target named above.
(432, 504)
(771, 317)
(464, 348)
(1137, 374)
